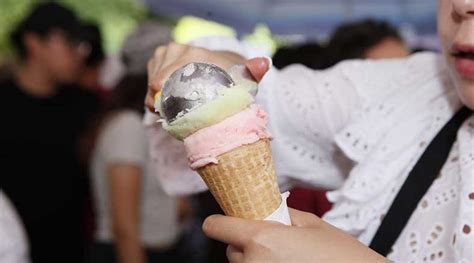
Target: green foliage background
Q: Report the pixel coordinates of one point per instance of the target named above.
(116, 18)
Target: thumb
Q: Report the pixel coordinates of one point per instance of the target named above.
(232, 230)
(258, 67)
(304, 219)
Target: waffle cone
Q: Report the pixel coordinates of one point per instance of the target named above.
(244, 181)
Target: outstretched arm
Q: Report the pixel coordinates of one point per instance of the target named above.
(309, 239)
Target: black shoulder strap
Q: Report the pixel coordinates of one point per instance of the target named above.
(417, 183)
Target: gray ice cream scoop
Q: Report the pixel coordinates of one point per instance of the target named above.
(195, 84)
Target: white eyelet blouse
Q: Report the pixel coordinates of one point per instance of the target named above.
(360, 127)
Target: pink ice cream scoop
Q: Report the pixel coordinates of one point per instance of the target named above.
(245, 127)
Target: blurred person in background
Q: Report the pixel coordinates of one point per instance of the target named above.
(312, 55)
(367, 39)
(13, 245)
(136, 221)
(89, 78)
(43, 116)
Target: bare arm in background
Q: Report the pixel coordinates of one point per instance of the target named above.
(125, 187)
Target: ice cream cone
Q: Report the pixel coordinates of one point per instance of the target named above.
(244, 182)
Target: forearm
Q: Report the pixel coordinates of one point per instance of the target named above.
(124, 182)
(129, 248)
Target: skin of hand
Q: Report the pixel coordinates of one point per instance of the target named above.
(309, 239)
(169, 58)
(124, 182)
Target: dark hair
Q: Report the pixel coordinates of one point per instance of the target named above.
(129, 94)
(44, 18)
(90, 34)
(310, 55)
(352, 40)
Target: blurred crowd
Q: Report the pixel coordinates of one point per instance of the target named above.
(78, 182)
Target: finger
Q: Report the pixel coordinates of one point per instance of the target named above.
(231, 230)
(155, 63)
(258, 67)
(304, 219)
(173, 53)
(150, 101)
(154, 66)
(234, 255)
(172, 60)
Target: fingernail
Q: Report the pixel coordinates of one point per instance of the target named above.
(270, 61)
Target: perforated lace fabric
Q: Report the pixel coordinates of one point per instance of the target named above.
(382, 115)
(359, 128)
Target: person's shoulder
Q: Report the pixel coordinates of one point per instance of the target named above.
(123, 128)
(427, 58)
(79, 94)
(128, 116)
(11, 96)
(425, 55)
(125, 119)
(84, 102)
(423, 68)
(8, 86)
(380, 76)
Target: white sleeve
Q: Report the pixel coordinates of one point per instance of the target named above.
(123, 139)
(306, 110)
